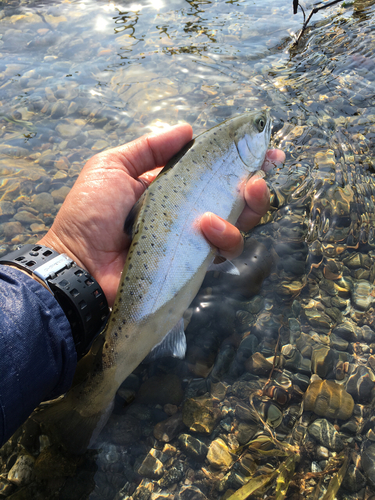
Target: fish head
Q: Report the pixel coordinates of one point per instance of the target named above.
(252, 133)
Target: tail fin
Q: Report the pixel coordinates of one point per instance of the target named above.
(74, 420)
(66, 426)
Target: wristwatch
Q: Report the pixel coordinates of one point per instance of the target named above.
(77, 292)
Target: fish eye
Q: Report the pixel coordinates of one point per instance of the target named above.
(260, 123)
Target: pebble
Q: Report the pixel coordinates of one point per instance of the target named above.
(22, 471)
(60, 194)
(368, 464)
(200, 415)
(193, 447)
(360, 384)
(325, 433)
(218, 454)
(151, 467)
(168, 429)
(191, 493)
(353, 480)
(42, 202)
(328, 399)
(68, 130)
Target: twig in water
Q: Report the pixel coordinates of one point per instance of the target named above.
(296, 4)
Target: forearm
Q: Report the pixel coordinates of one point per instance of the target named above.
(38, 356)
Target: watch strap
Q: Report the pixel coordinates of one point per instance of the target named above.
(76, 291)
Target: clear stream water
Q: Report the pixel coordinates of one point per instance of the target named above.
(77, 77)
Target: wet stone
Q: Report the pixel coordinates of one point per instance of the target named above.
(168, 429)
(338, 343)
(67, 130)
(347, 331)
(360, 384)
(323, 361)
(353, 480)
(193, 447)
(328, 399)
(22, 471)
(325, 434)
(151, 467)
(361, 294)
(368, 464)
(258, 364)
(191, 493)
(218, 454)
(6, 208)
(172, 476)
(42, 202)
(60, 194)
(200, 415)
(245, 432)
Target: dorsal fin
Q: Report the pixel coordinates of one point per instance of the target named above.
(133, 215)
(177, 157)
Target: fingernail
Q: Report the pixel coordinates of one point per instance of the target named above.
(217, 223)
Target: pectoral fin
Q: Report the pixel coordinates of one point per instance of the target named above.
(224, 266)
(173, 344)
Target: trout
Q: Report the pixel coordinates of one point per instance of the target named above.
(166, 264)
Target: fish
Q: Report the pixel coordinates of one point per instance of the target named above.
(166, 263)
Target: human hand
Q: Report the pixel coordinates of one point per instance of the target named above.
(89, 227)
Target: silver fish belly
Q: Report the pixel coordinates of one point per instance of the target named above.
(165, 267)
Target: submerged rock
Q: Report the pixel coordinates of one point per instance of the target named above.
(328, 399)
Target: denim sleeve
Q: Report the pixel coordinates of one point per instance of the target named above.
(37, 351)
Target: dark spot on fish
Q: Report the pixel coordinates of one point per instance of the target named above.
(143, 237)
(123, 321)
(214, 133)
(140, 296)
(116, 332)
(165, 196)
(152, 227)
(126, 336)
(154, 236)
(143, 220)
(160, 187)
(164, 213)
(131, 293)
(144, 251)
(135, 243)
(106, 346)
(203, 156)
(194, 161)
(152, 220)
(113, 319)
(127, 278)
(163, 205)
(130, 266)
(165, 224)
(152, 244)
(146, 228)
(138, 252)
(145, 266)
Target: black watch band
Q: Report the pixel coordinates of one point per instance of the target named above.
(76, 291)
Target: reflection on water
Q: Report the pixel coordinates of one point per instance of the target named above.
(80, 77)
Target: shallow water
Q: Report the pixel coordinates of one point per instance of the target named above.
(79, 77)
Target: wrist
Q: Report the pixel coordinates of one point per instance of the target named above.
(76, 291)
